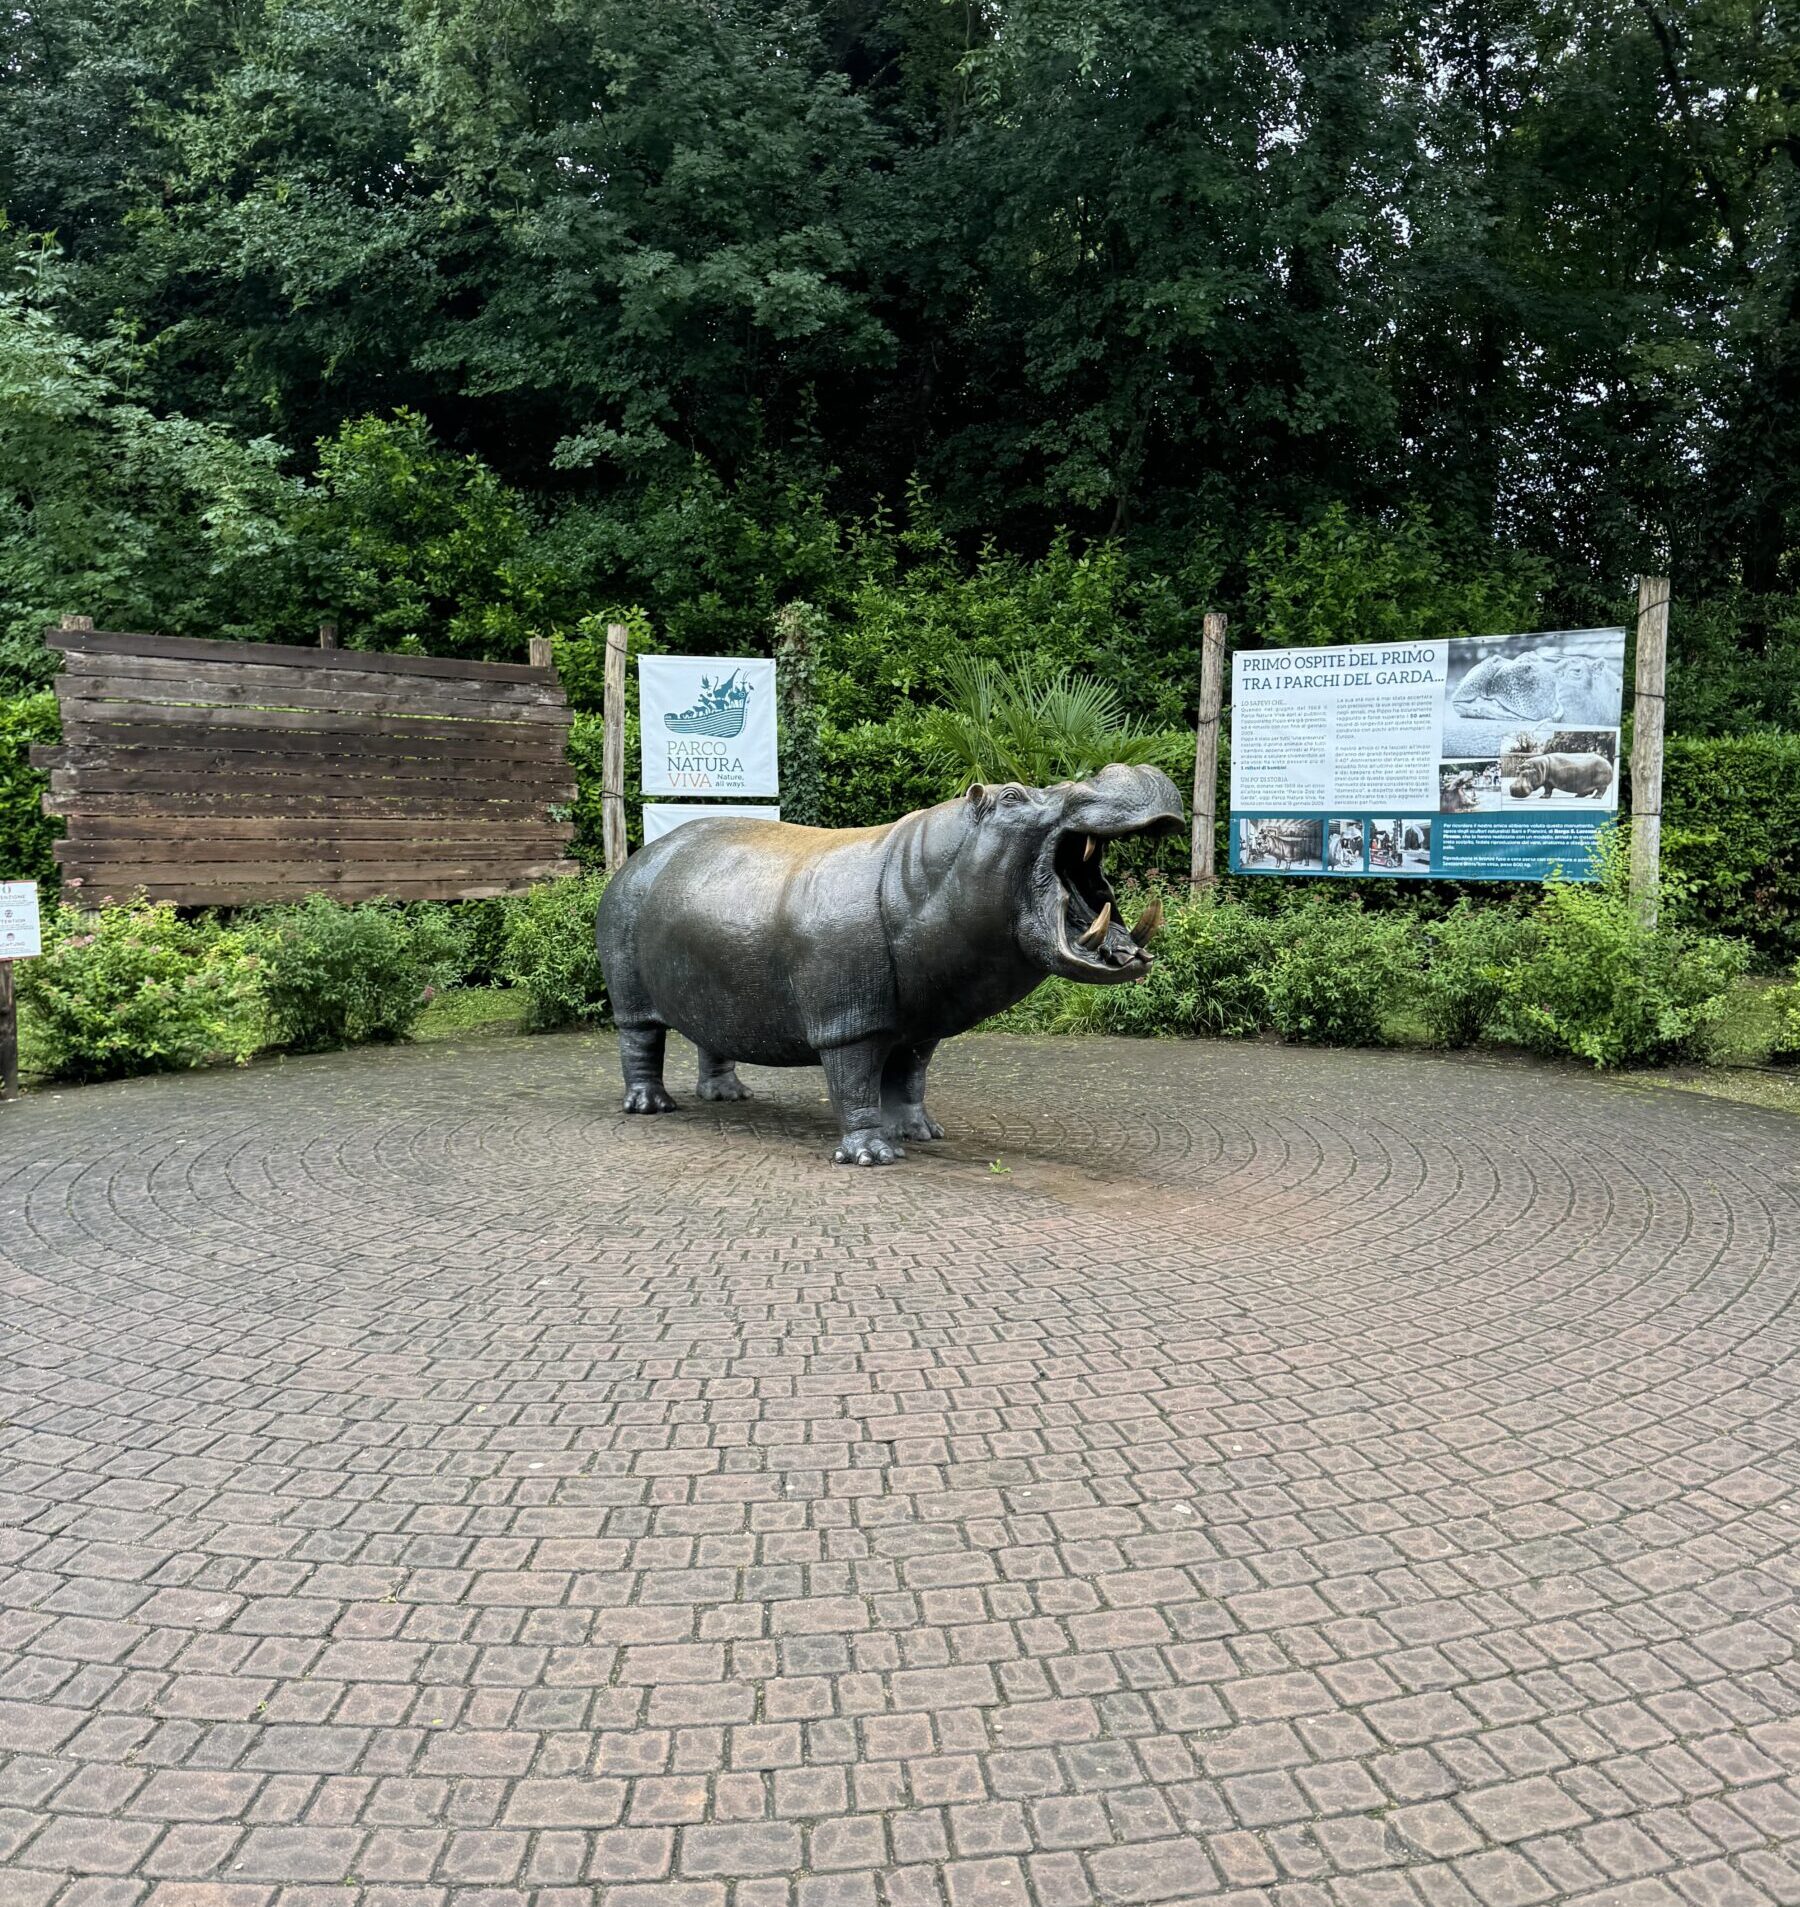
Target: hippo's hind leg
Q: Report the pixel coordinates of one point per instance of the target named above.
(642, 1034)
(853, 1074)
(641, 1056)
(718, 1078)
(903, 1093)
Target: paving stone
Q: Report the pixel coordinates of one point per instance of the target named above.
(1342, 1479)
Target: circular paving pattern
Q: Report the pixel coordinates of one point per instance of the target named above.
(1312, 1477)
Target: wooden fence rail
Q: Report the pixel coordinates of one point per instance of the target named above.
(218, 773)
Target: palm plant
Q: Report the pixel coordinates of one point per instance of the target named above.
(1032, 725)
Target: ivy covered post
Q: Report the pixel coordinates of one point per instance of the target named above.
(1203, 869)
(798, 628)
(1647, 746)
(612, 750)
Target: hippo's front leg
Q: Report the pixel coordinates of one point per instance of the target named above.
(903, 1093)
(641, 1059)
(853, 1075)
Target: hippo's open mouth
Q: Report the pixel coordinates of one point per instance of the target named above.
(1090, 932)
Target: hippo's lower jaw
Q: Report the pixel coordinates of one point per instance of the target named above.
(1090, 939)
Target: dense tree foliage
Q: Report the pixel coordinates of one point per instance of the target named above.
(459, 318)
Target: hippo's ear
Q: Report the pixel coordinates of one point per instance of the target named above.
(979, 796)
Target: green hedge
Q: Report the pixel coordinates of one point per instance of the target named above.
(27, 834)
(1731, 837)
(874, 772)
(1573, 975)
(1731, 830)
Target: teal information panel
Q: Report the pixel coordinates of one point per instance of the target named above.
(1482, 758)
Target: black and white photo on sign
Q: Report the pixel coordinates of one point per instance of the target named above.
(1567, 767)
(1497, 685)
(1281, 844)
(1400, 845)
(1466, 787)
(1344, 846)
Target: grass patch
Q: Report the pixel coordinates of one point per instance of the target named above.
(1774, 1091)
(469, 1012)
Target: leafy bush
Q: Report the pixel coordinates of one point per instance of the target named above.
(874, 772)
(136, 989)
(1601, 986)
(549, 951)
(1731, 837)
(1787, 1038)
(417, 546)
(1030, 724)
(483, 924)
(1337, 970)
(1472, 951)
(340, 976)
(1210, 978)
(1346, 578)
(906, 605)
(27, 834)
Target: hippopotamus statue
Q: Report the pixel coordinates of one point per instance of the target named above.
(859, 949)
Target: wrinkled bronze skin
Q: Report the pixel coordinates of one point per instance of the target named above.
(860, 949)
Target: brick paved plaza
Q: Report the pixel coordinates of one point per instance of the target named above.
(1296, 1477)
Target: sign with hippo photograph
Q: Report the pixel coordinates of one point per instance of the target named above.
(707, 725)
(1482, 758)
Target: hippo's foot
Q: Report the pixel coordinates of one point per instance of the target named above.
(912, 1122)
(869, 1145)
(727, 1086)
(648, 1095)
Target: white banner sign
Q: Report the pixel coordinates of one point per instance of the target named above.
(20, 935)
(661, 816)
(708, 725)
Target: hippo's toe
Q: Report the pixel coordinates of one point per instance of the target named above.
(867, 1147)
(648, 1096)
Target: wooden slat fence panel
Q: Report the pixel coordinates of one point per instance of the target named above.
(223, 773)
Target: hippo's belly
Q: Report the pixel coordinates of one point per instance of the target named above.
(758, 953)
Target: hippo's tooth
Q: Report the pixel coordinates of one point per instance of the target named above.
(1097, 933)
(1148, 921)
(1087, 847)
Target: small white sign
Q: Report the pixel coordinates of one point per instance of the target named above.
(660, 817)
(707, 725)
(21, 936)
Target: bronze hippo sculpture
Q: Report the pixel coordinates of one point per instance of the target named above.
(860, 949)
(1588, 776)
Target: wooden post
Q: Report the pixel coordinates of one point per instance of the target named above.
(328, 635)
(9, 1034)
(1203, 871)
(543, 654)
(612, 750)
(1647, 745)
(78, 622)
